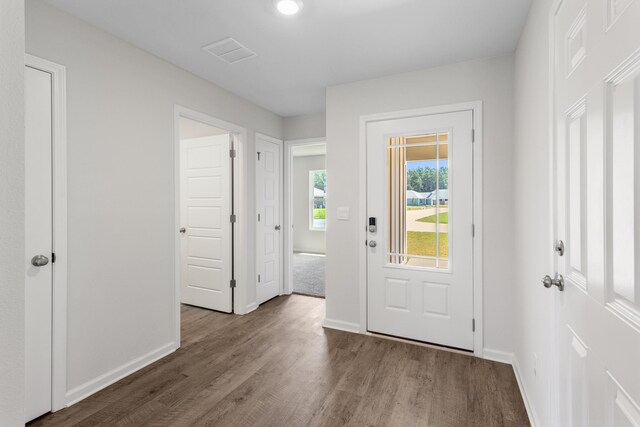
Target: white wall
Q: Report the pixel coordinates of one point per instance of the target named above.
(489, 80)
(305, 240)
(121, 187)
(305, 126)
(12, 257)
(533, 304)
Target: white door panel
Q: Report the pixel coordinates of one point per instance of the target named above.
(38, 224)
(420, 273)
(268, 178)
(596, 98)
(205, 197)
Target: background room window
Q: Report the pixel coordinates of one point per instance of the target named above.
(318, 199)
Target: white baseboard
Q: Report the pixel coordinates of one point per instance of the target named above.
(305, 251)
(90, 387)
(251, 307)
(341, 326)
(497, 355)
(523, 392)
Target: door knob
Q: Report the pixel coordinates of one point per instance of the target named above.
(548, 282)
(183, 230)
(39, 260)
(372, 243)
(277, 227)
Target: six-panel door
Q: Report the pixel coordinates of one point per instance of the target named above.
(596, 97)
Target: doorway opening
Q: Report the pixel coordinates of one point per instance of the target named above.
(206, 216)
(208, 231)
(308, 212)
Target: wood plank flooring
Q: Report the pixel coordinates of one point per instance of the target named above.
(278, 367)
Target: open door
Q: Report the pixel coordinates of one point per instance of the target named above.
(38, 243)
(596, 94)
(206, 216)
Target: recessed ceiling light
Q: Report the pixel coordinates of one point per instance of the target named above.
(288, 7)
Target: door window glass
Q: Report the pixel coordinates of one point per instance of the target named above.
(418, 200)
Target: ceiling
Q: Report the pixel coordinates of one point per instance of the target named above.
(329, 42)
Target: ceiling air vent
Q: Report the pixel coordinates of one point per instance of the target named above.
(229, 50)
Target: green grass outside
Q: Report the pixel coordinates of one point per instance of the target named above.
(424, 243)
(444, 218)
(320, 213)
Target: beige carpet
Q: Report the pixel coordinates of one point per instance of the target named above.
(308, 274)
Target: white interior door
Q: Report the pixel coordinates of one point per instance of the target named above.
(268, 233)
(206, 234)
(597, 123)
(420, 192)
(38, 245)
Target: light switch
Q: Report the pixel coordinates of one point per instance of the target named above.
(343, 214)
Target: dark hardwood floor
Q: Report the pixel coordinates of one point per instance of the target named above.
(279, 367)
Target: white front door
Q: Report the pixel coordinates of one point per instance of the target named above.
(38, 244)
(268, 178)
(596, 97)
(205, 214)
(420, 255)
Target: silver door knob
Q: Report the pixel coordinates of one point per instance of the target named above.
(277, 227)
(39, 260)
(183, 230)
(372, 243)
(548, 282)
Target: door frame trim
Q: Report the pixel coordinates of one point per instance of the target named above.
(280, 144)
(478, 263)
(288, 206)
(59, 238)
(240, 232)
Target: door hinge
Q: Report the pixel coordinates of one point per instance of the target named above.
(232, 283)
(473, 230)
(473, 135)
(232, 153)
(258, 278)
(53, 257)
(473, 325)
(258, 217)
(258, 155)
(233, 218)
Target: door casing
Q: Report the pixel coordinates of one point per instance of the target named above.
(478, 286)
(59, 222)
